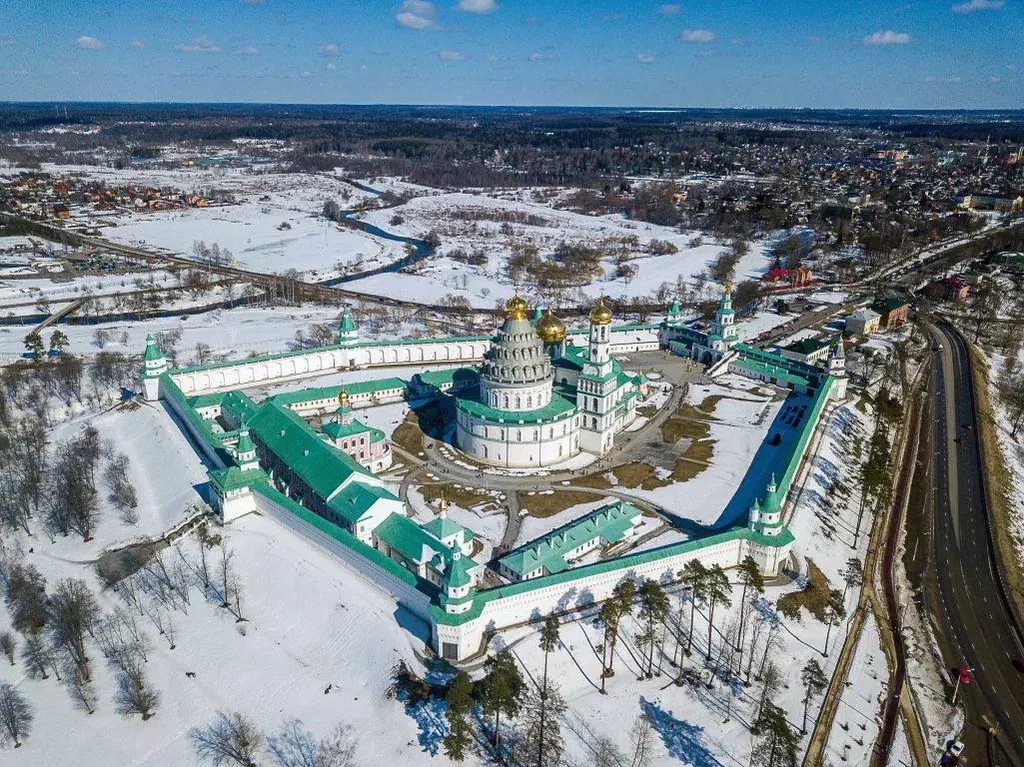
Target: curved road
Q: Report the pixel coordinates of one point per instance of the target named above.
(973, 614)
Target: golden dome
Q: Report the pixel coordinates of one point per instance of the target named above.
(515, 308)
(601, 314)
(550, 328)
(342, 397)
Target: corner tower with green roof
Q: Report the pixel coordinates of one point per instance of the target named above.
(348, 331)
(154, 365)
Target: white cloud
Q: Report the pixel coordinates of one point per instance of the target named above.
(331, 65)
(303, 73)
(6, 41)
(450, 55)
(330, 49)
(696, 36)
(19, 72)
(539, 56)
(737, 41)
(136, 44)
(88, 43)
(416, 14)
(201, 44)
(253, 2)
(813, 38)
(993, 79)
(477, 6)
(888, 37)
(250, 50)
(531, 21)
(670, 9)
(644, 58)
(491, 57)
(978, 5)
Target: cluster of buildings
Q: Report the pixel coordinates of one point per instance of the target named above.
(302, 457)
(44, 197)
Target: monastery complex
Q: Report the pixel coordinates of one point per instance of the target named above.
(532, 396)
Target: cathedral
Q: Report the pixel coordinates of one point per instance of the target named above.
(542, 400)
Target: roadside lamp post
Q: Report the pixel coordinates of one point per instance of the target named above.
(961, 676)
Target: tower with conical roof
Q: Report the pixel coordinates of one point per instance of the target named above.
(154, 365)
(245, 450)
(457, 591)
(348, 331)
(766, 517)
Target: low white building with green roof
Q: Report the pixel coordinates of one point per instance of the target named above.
(555, 552)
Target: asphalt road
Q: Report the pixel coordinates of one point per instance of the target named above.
(973, 614)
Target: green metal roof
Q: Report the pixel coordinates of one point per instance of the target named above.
(245, 443)
(409, 539)
(347, 324)
(457, 572)
(337, 431)
(152, 350)
(321, 466)
(556, 410)
(354, 389)
(442, 527)
(233, 478)
(609, 522)
(352, 502)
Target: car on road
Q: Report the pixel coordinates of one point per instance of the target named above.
(1018, 663)
(956, 748)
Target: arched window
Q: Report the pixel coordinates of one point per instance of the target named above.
(536, 434)
(529, 402)
(506, 401)
(519, 402)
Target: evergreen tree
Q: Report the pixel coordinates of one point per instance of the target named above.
(548, 642)
(539, 742)
(752, 579)
(776, 746)
(34, 345)
(694, 577)
(58, 341)
(835, 611)
(814, 682)
(653, 606)
(501, 689)
(771, 679)
(717, 592)
(852, 574)
(608, 617)
(459, 702)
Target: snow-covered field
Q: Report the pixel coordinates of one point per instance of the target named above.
(488, 282)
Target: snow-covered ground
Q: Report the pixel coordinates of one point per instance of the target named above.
(547, 227)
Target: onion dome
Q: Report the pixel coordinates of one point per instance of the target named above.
(601, 314)
(515, 308)
(550, 328)
(343, 400)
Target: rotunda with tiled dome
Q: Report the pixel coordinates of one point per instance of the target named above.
(542, 400)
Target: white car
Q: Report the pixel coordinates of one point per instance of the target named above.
(956, 748)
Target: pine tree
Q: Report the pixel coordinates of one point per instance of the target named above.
(752, 579)
(717, 592)
(694, 577)
(835, 611)
(548, 642)
(771, 679)
(459, 702)
(653, 606)
(500, 690)
(608, 617)
(34, 345)
(814, 682)
(539, 742)
(776, 746)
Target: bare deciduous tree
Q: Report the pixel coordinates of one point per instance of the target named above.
(229, 739)
(15, 715)
(7, 645)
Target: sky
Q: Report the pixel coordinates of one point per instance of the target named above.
(725, 53)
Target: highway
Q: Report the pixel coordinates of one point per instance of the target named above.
(972, 614)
